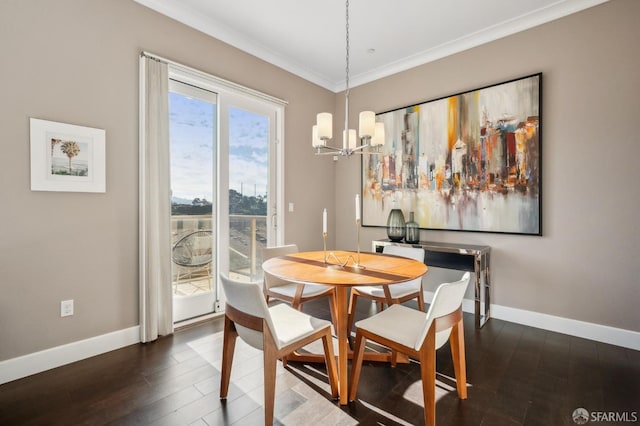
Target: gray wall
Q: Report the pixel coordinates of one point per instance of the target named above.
(585, 266)
(76, 61)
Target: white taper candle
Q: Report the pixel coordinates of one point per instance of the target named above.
(324, 221)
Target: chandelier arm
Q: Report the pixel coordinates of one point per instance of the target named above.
(360, 147)
(332, 150)
(365, 153)
(329, 153)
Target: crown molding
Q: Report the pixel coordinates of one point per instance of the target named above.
(196, 20)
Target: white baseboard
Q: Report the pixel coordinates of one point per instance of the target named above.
(586, 330)
(47, 359)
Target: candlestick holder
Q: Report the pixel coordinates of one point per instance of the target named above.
(357, 262)
(324, 243)
(331, 257)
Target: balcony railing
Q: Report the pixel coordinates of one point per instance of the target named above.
(247, 237)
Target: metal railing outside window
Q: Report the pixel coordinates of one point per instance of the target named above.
(247, 237)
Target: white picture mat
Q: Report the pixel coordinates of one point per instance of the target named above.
(45, 157)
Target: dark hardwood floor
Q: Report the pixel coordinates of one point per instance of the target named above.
(516, 375)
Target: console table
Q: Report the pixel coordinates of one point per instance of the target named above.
(463, 257)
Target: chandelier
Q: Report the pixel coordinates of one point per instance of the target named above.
(371, 133)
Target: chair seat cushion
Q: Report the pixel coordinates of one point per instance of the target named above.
(396, 290)
(291, 325)
(289, 290)
(398, 323)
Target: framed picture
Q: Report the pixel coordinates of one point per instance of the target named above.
(465, 162)
(66, 157)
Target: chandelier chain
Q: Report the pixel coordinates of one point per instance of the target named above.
(347, 54)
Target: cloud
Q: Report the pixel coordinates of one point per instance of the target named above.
(193, 132)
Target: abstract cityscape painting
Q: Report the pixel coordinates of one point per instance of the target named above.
(466, 162)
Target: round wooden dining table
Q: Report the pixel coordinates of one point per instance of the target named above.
(344, 269)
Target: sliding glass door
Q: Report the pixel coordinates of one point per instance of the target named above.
(193, 138)
(248, 165)
(226, 185)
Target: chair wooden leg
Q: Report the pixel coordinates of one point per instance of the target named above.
(330, 359)
(228, 347)
(394, 358)
(427, 355)
(428, 374)
(421, 300)
(456, 341)
(356, 366)
(270, 354)
(296, 303)
(351, 313)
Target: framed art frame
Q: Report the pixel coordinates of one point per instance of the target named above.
(465, 162)
(66, 157)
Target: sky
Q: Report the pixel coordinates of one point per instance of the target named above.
(193, 128)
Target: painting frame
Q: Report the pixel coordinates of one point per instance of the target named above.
(67, 157)
(470, 162)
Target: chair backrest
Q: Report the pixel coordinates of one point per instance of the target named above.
(193, 249)
(247, 297)
(268, 253)
(447, 298)
(415, 253)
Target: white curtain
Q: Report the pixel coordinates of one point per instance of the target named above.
(156, 302)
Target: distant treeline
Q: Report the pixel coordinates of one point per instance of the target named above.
(238, 204)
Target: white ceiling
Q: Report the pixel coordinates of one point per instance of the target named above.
(307, 38)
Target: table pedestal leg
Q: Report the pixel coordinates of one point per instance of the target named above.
(343, 342)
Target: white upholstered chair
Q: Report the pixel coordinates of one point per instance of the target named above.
(294, 293)
(419, 335)
(390, 294)
(277, 331)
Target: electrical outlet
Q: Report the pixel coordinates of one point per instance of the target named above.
(66, 308)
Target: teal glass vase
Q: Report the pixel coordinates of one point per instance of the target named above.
(413, 230)
(396, 229)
